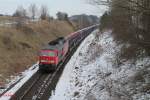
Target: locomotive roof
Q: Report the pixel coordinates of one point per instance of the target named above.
(55, 44)
(57, 41)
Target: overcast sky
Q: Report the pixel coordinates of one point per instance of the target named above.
(72, 7)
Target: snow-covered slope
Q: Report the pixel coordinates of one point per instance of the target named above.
(94, 73)
(65, 87)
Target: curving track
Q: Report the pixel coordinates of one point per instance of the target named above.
(40, 85)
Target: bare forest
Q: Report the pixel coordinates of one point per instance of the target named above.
(130, 22)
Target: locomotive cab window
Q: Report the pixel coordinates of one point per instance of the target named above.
(49, 53)
(52, 54)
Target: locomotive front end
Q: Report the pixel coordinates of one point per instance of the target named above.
(48, 60)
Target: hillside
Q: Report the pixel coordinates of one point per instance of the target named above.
(19, 43)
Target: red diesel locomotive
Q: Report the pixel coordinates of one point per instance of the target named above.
(52, 54)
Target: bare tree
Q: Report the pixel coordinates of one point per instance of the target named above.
(33, 10)
(44, 12)
(130, 21)
(21, 15)
(20, 12)
(62, 16)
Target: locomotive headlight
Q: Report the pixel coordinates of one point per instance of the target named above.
(43, 60)
(52, 61)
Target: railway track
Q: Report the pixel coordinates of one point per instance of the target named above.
(40, 85)
(30, 91)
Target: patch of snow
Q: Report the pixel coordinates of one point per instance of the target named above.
(25, 76)
(63, 88)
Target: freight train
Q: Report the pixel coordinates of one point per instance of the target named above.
(53, 53)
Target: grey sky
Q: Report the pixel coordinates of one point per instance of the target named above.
(71, 7)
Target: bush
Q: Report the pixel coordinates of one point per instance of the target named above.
(105, 21)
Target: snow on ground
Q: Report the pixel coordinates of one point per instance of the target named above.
(64, 87)
(24, 77)
(95, 73)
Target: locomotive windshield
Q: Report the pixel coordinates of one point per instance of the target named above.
(48, 53)
(52, 54)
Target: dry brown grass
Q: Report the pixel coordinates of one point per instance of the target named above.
(19, 47)
(3, 18)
